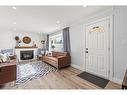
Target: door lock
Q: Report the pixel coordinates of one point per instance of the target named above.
(86, 51)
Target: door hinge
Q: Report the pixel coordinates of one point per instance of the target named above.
(108, 49)
(109, 25)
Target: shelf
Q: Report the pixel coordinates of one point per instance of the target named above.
(19, 47)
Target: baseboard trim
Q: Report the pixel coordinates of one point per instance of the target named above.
(77, 67)
(117, 81)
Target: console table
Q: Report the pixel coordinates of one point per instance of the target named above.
(7, 72)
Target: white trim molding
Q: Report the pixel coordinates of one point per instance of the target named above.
(111, 63)
(118, 81)
(17, 51)
(77, 67)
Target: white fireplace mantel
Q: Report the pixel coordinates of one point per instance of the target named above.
(17, 52)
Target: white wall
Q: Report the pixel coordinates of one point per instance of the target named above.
(120, 40)
(76, 39)
(7, 38)
(77, 30)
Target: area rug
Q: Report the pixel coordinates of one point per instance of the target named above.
(101, 82)
(32, 70)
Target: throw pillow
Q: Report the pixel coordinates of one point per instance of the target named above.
(4, 58)
(8, 58)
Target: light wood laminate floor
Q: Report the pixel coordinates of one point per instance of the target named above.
(65, 78)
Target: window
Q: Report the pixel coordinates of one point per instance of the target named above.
(56, 42)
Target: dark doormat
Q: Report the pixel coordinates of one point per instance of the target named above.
(101, 82)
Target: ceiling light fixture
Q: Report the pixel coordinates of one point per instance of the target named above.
(14, 8)
(57, 22)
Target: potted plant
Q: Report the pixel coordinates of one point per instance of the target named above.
(52, 47)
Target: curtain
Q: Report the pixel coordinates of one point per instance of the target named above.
(47, 43)
(66, 40)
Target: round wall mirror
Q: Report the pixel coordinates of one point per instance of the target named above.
(26, 40)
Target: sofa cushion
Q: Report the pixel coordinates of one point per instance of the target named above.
(55, 54)
(60, 56)
(52, 58)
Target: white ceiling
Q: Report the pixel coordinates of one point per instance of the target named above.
(43, 19)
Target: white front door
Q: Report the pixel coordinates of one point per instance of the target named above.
(97, 48)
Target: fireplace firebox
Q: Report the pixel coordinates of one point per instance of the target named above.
(26, 55)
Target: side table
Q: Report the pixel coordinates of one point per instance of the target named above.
(8, 72)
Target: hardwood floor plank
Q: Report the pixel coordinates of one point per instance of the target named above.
(65, 78)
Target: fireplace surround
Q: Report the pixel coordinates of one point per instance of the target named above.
(26, 55)
(24, 52)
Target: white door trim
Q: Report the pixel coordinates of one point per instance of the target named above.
(111, 44)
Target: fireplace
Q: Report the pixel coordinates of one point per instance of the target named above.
(25, 55)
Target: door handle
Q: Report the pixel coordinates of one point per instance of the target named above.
(86, 51)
